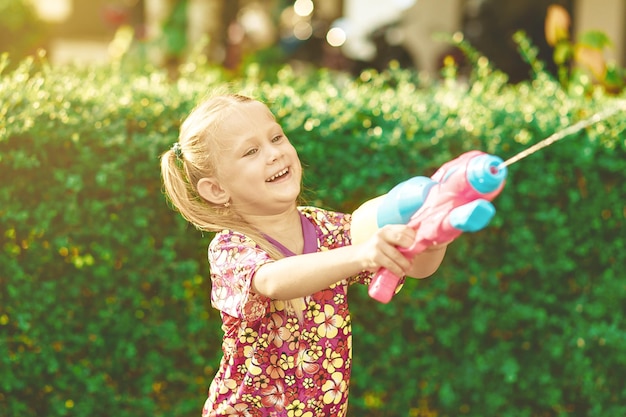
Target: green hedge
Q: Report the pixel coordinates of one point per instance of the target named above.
(104, 289)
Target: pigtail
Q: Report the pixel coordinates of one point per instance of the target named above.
(296, 307)
(174, 183)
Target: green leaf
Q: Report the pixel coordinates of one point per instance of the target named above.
(595, 39)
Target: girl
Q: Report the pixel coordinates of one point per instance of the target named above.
(279, 271)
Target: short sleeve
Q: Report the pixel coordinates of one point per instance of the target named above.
(364, 277)
(233, 260)
(334, 232)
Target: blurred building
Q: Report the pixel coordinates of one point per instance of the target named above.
(82, 30)
(488, 25)
(346, 34)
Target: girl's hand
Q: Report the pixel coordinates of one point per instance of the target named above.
(381, 250)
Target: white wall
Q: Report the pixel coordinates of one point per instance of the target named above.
(361, 17)
(608, 16)
(425, 19)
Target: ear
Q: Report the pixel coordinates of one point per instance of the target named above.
(211, 191)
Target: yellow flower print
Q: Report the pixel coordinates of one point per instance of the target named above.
(262, 342)
(287, 361)
(293, 325)
(278, 305)
(329, 322)
(255, 400)
(296, 409)
(251, 360)
(315, 352)
(339, 298)
(314, 309)
(228, 385)
(310, 335)
(334, 388)
(308, 383)
(248, 335)
(333, 360)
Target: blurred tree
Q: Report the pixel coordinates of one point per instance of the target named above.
(175, 34)
(587, 53)
(489, 25)
(21, 30)
(205, 26)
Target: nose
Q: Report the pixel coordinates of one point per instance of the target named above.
(273, 154)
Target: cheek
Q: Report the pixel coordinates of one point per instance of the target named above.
(228, 172)
(294, 154)
(297, 162)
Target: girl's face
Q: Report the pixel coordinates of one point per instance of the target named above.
(258, 170)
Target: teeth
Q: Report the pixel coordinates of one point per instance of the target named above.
(277, 175)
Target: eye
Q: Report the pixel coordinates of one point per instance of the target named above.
(278, 138)
(251, 152)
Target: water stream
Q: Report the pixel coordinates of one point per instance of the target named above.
(570, 130)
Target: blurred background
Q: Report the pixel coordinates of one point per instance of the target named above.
(347, 35)
(103, 288)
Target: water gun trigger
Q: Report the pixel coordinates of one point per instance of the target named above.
(473, 216)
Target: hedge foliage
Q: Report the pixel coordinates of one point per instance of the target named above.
(104, 289)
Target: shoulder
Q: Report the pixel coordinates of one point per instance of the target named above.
(230, 246)
(333, 227)
(325, 218)
(230, 238)
(234, 258)
(322, 216)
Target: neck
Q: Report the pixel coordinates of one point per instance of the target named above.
(284, 227)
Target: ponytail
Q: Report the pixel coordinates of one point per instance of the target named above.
(191, 159)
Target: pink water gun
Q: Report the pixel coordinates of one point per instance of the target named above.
(456, 199)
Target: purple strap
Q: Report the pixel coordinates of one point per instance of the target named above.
(310, 238)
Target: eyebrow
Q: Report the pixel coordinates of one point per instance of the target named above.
(275, 126)
(244, 144)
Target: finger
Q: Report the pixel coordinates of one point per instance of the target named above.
(395, 261)
(399, 235)
(386, 256)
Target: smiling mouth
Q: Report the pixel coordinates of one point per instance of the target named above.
(278, 175)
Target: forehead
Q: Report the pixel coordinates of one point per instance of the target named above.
(244, 119)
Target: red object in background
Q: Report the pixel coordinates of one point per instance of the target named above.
(115, 15)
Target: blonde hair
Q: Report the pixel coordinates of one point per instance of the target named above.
(194, 157)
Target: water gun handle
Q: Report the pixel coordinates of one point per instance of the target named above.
(455, 199)
(383, 285)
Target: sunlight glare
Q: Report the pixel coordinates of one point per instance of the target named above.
(336, 37)
(303, 7)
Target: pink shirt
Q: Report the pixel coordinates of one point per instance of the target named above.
(273, 364)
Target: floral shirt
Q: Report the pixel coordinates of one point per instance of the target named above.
(273, 363)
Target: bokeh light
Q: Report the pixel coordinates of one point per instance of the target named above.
(336, 37)
(53, 10)
(303, 7)
(302, 30)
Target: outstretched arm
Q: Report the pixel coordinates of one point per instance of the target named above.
(426, 263)
(298, 276)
